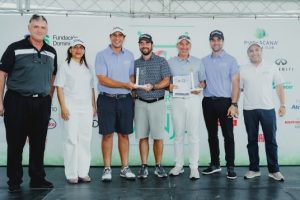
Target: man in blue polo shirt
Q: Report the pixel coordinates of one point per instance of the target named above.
(115, 72)
(220, 102)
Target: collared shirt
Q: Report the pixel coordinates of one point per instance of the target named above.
(183, 67)
(117, 66)
(257, 83)
(76, 80)
(151, 71)
(29, 70)
(219, 71)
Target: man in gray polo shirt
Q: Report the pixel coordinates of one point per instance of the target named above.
(29, 66)
(186, 110)
(154, 74)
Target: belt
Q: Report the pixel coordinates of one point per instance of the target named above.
(31, 95)
(217, 98)
(151, 100)
(116, 96)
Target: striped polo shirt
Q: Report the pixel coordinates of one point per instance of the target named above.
(29, 70)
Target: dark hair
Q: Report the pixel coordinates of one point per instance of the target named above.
(82, 60)
(37, 17)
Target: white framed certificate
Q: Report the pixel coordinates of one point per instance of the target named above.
(182, 86)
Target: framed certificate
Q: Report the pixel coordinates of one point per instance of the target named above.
(183, 86)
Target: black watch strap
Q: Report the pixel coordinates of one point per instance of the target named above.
(234, 104)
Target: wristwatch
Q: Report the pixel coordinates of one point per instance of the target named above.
(235, 105)
(283, 105)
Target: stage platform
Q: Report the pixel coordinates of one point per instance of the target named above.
(215, 186)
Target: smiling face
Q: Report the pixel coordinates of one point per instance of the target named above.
(145, 47)
(77, 51)
(216, 44)
(38, 29)
(255, 54)
(117, 39)
(184, 47)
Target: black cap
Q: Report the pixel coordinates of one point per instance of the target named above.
(145, 37)
(216, 33)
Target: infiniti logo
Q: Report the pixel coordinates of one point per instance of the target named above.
(281, 61)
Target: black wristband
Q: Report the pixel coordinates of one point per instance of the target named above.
(234, 104)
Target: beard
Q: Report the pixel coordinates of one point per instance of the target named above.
(146, 51)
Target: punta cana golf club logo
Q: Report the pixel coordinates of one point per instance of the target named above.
(262, 37)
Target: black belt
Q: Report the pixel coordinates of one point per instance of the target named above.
(116, 96)
(217, 98)
(31, 95)
(151, 100)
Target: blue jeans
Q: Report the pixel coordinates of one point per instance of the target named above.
(267, 119)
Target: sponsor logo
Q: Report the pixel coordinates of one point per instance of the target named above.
(261, 138)
(95, 123)
(283, 65)
(296, 106)
(62, 40)
(51, 124)
(261, 35)
(286, 86)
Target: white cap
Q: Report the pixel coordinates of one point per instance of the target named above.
(254, 43)
(76, 42)
(117, 29)
(184, 37)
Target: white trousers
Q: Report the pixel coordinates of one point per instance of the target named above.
(186, 117)
(77, 138)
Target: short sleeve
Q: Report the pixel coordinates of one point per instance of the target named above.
(8, 60)
(201, 73)
(100, 66)
(234, 68)
(60, 78)
(165, 68)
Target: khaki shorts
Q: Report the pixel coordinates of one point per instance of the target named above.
(150, 119)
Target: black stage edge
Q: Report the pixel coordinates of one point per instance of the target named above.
(215, 186)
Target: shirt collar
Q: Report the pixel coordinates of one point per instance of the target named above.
(181, 60)
(110, 49)
(151, 57)
(219, 56)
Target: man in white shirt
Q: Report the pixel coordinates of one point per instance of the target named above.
(256, 82)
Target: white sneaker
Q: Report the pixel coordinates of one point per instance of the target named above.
(106, 176)
(276, 176)
(194, 174)
(175, 171)
(251, 174)
(126, 173)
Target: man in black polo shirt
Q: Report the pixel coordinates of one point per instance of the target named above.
(28, 67)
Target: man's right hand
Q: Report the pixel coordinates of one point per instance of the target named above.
(65, 114)
(1, 109)
(130, 86)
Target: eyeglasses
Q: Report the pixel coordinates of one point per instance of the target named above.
(37, 17)
(38, 58)
(184, 37)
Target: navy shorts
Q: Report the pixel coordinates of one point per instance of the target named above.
(115, 114)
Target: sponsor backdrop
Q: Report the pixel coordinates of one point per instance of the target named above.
(278, 37)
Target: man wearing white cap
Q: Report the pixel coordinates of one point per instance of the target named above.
(115, 72)
(256, 82)
(186, 111)
(75, 91)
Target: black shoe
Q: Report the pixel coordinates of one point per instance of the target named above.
(41, 184)
(211, 170)
(14, 188)
(230, 173)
